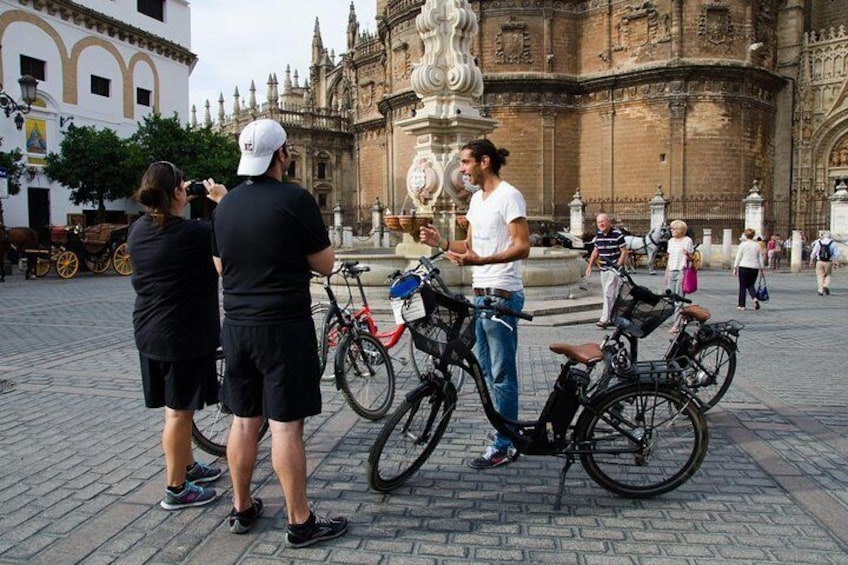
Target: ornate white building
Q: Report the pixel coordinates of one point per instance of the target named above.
(102, 64)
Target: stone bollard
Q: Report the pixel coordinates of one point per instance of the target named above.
(796, 261)
(727, 249)
(706, 249)
(347, 237)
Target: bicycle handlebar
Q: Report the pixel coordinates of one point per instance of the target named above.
(667, 295)
(504, 311)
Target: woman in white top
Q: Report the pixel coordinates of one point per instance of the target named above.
(748, 264)
(680, 249)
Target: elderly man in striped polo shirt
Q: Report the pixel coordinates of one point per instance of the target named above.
(612, 251)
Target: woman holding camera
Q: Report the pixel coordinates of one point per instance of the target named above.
(176, 322)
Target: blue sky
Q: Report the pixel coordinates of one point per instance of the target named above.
(239, 42)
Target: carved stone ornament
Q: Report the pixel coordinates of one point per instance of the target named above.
(422, 182)
(642, 26)
(513, 43)
(401, 61)
(447, 28)
(715, 24)
(839, 155)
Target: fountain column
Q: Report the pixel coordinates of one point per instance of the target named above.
(447, 80)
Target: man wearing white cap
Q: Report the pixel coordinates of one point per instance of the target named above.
(268, 237)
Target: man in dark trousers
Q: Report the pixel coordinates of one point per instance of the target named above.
(268, 237)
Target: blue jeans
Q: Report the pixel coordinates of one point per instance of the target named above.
(497, 351)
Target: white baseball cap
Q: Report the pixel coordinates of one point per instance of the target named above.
(258, 142)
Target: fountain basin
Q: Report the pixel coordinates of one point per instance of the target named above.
(546, 267)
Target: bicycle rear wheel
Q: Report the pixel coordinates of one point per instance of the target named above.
(327, 333)
(641, 442)
(365, 375)
(710, 375)
(210, 426)
(410, 436)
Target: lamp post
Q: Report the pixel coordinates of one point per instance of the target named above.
(29, 88)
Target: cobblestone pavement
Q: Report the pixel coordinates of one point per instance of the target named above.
(82, 470)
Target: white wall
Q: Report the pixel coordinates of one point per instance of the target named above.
(89, 109)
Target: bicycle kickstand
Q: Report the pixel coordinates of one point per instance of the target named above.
(569, 461)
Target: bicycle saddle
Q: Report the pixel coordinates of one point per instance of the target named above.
(584, 353)
(695, 312)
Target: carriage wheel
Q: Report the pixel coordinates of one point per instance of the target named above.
(99, 264)
(121, 260)
(67, 264)
(42, 267)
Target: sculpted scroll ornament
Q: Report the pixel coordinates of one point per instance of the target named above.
(447, 67)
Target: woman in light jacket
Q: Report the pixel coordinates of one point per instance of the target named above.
(747, 265)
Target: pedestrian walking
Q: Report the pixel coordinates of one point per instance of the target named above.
(611, 250)
(824, 255)
(269, 235)
(498, 238)
(176, 323)
(747, 266)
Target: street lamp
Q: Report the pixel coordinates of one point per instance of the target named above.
(29, 88)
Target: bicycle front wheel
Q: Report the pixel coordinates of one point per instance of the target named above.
(712, 371)
(638, 442)
(422, 363)
(365, 375)
(410, 436)
(210, 426)
(327, 333)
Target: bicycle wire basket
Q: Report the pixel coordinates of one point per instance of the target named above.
(638, 311)
(447, 330)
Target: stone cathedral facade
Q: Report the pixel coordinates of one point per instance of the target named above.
(699, 99)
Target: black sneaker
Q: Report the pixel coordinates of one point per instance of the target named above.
(314, 530)
(827, 291)
(242, 522)
(492, 458)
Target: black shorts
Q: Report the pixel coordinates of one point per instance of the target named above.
(180, 385)
(272, 371)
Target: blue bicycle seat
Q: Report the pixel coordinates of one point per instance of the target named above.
(405, 286)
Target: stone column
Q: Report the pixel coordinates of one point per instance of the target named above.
(839, 213)
(754, 209)
(727, 249)
(578, 208)
(706, 249)
(796, 261)
(659, 209)
(338, 221)
(377, 223)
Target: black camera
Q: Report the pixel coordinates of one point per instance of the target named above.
(196, 188)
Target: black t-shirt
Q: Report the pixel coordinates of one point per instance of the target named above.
(264, 230)
(176, 313)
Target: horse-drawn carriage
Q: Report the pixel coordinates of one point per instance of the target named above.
(98, 247)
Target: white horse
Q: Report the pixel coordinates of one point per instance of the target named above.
(648, 244)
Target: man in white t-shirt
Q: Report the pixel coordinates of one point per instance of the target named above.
(497, 240)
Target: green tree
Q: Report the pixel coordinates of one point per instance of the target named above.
(95, 165)
(200, 153)
(12, 161)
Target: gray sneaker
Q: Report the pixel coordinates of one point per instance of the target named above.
(200, 473)
(191, 495)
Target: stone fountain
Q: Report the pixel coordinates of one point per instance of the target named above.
(447, 80)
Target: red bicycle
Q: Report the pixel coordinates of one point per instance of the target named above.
(330, 333)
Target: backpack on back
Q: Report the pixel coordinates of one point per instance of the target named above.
(825, 252)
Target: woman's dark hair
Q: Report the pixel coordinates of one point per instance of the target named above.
(156, 192)
(483, 147)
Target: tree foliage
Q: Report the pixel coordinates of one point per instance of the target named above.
(200, 153)
(96, 165)
(12, 161)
